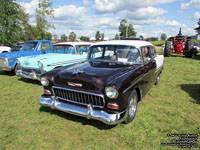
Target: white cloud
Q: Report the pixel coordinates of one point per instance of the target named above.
(86, 2)
(196, 15)
(69, 11)
(30, 7)
(114, 6)
(173, 23)
(144, 13)
(192, 3)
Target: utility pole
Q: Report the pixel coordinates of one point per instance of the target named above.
(127, 24)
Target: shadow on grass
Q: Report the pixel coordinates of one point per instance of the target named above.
(193, 90)
(30, 81)
(8, 73)
(75, 118)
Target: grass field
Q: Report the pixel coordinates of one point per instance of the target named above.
(172, 107)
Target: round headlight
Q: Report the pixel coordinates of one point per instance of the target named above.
(40, 64)
(44, 81)
(111, 92)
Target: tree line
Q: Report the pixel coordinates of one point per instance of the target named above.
(15, 26)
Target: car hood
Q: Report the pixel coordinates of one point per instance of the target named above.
(48, 59)
(14, 54)
(92, 76)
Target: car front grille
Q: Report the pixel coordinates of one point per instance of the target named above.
(3, 62)
(30, 70)
(80, 97)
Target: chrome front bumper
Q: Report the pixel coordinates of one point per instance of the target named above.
(89, 112)
(32, 75)
(6, 68)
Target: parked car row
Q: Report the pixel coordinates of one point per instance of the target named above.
(102, 81)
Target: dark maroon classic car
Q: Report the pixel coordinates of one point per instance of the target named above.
(108, 85)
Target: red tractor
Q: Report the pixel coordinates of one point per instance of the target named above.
(180, 44)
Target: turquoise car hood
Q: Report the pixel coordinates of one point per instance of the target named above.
(50, 60)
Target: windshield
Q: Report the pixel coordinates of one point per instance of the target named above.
(16, 48)
(69, 49)
(115, 53)
(29, 46)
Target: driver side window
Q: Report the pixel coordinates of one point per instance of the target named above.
(146, 53)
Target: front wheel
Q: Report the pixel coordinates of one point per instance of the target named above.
(132, 107)
(15, 69)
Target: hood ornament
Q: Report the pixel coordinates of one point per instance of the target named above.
(76, 72)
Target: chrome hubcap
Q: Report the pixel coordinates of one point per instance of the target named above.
(132, 106)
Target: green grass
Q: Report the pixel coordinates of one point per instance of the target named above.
(171, 107)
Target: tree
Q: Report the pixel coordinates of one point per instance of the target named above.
(97, 36)
(63, 37)
(125, 29)
(117, 37)
(72, 36)
(84, 38)
(152, 39)
(141, 37)
(163, 37)
(131, 31)
(43, 11)
(198, 28)
(10, 22)
(55, 37)
(102, 36)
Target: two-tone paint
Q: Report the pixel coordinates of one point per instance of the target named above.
(94, 77)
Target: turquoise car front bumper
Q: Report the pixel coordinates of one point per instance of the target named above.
(29, 73)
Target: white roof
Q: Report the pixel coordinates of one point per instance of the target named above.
(135, 43)
(74, 43)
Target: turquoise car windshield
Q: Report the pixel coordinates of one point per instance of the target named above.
(29, 46)
(69, 49)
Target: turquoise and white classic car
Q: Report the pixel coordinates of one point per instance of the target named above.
(63, 54)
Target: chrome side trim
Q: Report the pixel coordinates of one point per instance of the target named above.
(88, 112)
(134, 84)
(66, 62)
(158, 69)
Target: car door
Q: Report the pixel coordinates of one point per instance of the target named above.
(149, 67)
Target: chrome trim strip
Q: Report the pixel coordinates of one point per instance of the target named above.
(66, 62)
(89, 112)
(72, 96)
(133, 84)
(158, 69)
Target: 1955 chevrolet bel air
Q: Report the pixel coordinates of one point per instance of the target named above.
(64, 53)
(108, 85)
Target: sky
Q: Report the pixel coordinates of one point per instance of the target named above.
(150, 18)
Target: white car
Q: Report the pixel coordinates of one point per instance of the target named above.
(4, 49)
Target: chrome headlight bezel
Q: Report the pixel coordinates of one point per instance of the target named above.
(18, 62)
(40, 64)
(44, 81)
(111, 92)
